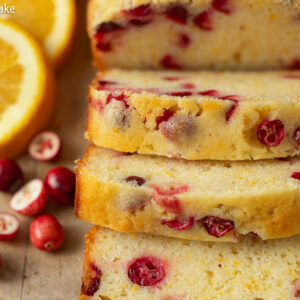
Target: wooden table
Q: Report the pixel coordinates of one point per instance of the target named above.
(27, 273)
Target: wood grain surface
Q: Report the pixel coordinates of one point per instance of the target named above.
(27, 273)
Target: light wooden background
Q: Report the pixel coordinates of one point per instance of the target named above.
(27, 273)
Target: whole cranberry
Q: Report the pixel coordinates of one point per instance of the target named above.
(60, 184)
(146, 271)
(270, 133)
(46, 233)
(11, 176)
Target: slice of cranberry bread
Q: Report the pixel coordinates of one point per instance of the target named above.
(144, 267)
(201, 115)
(197, 200)
(182, 34)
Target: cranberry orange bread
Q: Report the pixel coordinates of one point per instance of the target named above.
(197, 200)
(201, 115)
(184, 34)
(144, 267)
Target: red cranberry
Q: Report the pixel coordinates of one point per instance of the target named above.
(165, 117)
(177, 13)
(46, 233)
(9, 227)
(91, 285)
(270, 133)
(217, 226)
(180, 94)
(296, 136)
(297, 288)
(184, 40)
(108, 27)
(167, 199)
(140, 11)
(203, 21)
(295, 65)
(168, 62)
(97, 105)
(139, 23)
(233, 108)
(146, 271)
(105, 84)
(60, 184)
(222, 6)
(135, 180)
(11, 175)
(296, 175)
(178, 128)
(188, 86)
(121, 97)
(211, 93)
(170, 78)
(180, 224)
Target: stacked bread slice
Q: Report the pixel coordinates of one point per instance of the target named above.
(193, 178)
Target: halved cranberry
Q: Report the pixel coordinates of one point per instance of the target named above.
(146, 271)
(168, 62)
(180, 223)
(222, 6)
(180, 94)
(11, 175)
(140, 11)
(233, 108)
(270, 133)
(165, 117)
(166, 198)
(121, 97)
(177, 13)
(203, 21)
(184, 40)
(178, 128)
(188, 86)
(211, 93)
(9, 227)
(92, 283)
(136, 180)
(296, 136)
(296, 175)
(217, 226)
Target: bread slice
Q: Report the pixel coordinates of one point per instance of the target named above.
(198, 34)
(201, 115)
(144, 267)
(205, 200)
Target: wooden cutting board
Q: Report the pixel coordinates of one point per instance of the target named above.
(27, 273)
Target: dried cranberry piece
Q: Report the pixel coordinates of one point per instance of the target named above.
(180, 224)
(178, 128)
(146, 271)
(296, 175)
(203, 21)
(135, 180)
(211, 93)
(184, 40)
(222, 6)
(121, 97)
(93, 281)
(283, 158)
(165, 117)
(270, 133)
(180, 94)
(217, 226)
(140, 11)
(296, 136)
(177, 13)
(168, 62)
